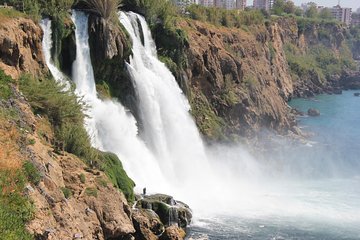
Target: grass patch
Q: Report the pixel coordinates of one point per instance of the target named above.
(113, 168)
(10, 13)
(5, 86)
(90, 191)
(67, 192)
(16, 209)
(82, 178)
(206, 119)
(32, 173)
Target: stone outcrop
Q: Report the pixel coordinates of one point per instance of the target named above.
(239, 81)
(110, 48)
(20, 47)
(159, 216)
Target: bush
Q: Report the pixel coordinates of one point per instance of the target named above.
(32, 173)
(5, 87)
(223, 17)
(65, 113)
(82, 178)
(91, 192)
(67, 192)
(15, 208)
(112, 166)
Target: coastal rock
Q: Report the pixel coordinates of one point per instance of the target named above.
(236, 84)
(147, 224)
(173, 233)
(169, 210)
(313, 112)
(357, 94)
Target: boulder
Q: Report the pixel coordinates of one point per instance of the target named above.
(170, 211)
(357, 94)
(173, 233)
(313, 112)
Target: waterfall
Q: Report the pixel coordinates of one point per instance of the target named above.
(169, 150)
(111, 126)
(169, 129)
(47, 44)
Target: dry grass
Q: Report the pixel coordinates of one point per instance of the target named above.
(10, 156)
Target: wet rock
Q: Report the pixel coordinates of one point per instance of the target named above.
(173, 233)
(170, 211)
(357, 94)
(313, 112)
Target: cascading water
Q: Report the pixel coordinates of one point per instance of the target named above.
(110, 125)
(169, 129)
(47, 45)
(172, 153)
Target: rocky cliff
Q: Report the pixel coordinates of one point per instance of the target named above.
(65, 196)
(20, 47)
(239, 80)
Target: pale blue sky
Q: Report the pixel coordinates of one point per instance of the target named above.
(355, 4)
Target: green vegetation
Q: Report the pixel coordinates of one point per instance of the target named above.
(82, 178)
(5, 87)
(64, 111)
(153, 10)
(227, 93)
(16, 208)
(106, 9)
(67, 192)
(319, 61)
(102, 182)
(223, 17)
(10, 13)
(113, 168)
(206, 119)
(250, 81)
(32, 173)
(91, 192)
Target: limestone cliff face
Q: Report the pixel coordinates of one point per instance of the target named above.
(239, 81)
(20, 47)
(241, 77)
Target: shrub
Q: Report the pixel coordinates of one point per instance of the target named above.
(5, 87)
(15, 208)
(82, 178)
(112, 166)
(64, 111)
(223, 17)
(32, 173)
(91, 191)
(67, 192)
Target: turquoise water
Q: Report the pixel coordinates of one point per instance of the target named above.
(311, 190)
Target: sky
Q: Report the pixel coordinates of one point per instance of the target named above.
(355, 4)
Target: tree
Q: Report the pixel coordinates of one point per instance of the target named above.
(289, 7)
(325, 14)
(278, 7)
(311, 12)
(299, 12)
